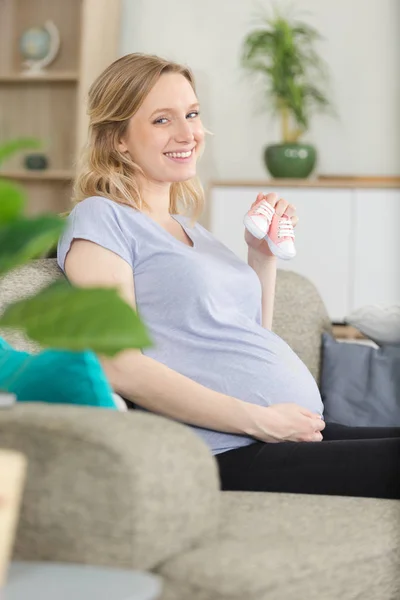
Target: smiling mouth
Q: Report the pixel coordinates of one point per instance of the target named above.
(180, 156)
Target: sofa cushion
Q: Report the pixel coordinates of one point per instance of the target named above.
(291, 547)
(379, 323)
(308, 516)
(360, 385)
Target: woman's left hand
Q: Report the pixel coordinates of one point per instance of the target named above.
(281, 206)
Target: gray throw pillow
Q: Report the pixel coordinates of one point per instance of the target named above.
(360, 385)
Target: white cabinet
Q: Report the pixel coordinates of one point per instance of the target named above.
(376, 247)
(346, 240)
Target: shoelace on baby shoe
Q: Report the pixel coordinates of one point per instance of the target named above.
(265, 209)
(285, 228)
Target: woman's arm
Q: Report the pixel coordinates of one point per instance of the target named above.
(156, 387)
(261, 259)
(265, 267)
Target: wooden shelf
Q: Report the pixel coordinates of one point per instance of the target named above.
(351, 182)
(45, 175)
(49, 77)
(346, 332)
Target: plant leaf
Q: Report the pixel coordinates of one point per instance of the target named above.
(72, 318)
(283, 51)
(309, 33)
(12, 201)
(24, 239)
(14, 146)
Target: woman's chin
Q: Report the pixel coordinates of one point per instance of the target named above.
(185, 175)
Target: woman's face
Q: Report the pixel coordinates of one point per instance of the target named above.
(165, 136)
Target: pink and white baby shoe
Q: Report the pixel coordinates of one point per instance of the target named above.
(263, 222)
(258, 219)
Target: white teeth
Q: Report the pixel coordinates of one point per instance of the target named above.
(179, 154)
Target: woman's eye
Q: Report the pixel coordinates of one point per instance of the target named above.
(191, 115)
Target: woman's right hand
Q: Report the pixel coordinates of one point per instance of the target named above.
(284, 423)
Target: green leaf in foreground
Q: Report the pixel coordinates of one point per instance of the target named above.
(70, 318)
(13, 146)
(12, 201)
(25, 239)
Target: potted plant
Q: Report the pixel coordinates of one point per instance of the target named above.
(283, 51)
(57, 316)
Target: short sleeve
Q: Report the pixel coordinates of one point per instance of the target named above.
(97, 220)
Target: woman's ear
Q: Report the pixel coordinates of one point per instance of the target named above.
(122, 147)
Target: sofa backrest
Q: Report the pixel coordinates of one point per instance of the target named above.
(20, 283)
(300, 316)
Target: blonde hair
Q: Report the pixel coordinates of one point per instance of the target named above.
(114, 98)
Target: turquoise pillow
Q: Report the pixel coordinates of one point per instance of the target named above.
(55, 376)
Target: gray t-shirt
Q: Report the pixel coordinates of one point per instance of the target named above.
(202, 307)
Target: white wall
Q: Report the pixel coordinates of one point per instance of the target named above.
(362, 48)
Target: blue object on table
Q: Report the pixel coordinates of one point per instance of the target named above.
(65, 581)
(55, 376)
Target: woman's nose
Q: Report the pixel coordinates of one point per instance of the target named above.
(184, 132)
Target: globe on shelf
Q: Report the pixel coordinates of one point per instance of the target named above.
(39, 46)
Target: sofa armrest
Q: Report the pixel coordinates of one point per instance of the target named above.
(108, 488)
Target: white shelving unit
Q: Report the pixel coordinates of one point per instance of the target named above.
(52, 107)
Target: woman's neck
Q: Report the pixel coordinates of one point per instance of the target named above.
(157, 197)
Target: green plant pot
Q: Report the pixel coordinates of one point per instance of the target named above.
(290, 160)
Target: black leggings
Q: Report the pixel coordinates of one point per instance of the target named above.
(350, 461)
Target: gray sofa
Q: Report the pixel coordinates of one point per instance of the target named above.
(139, 491)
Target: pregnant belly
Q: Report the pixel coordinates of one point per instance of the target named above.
(274, 380)
(270, 379)
(291, 381)
(259, 368)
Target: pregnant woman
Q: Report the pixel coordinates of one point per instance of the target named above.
(215, 364)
